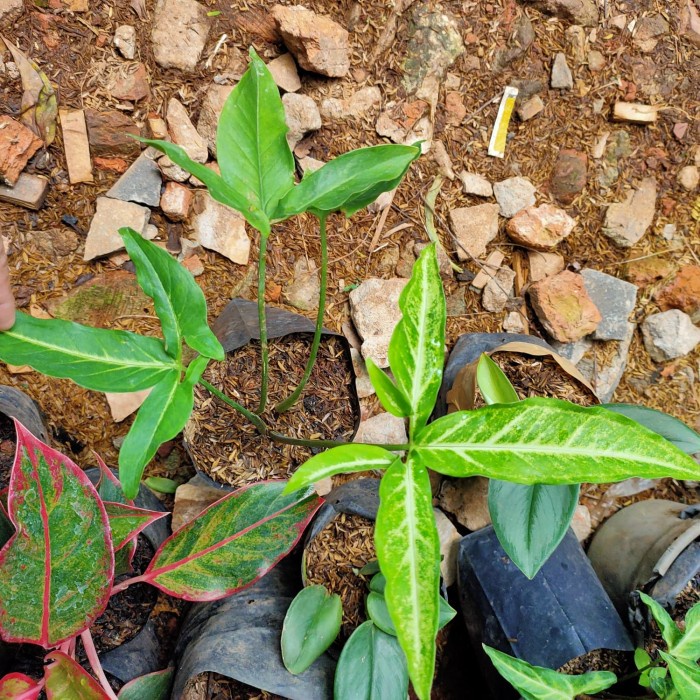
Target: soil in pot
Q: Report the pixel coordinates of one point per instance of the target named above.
(212, 686)
(7, 449)
(226, 447)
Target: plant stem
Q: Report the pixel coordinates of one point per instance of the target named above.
(95, 663)
(256, 420)
(128, 582)
(262, 323)
(289, 401)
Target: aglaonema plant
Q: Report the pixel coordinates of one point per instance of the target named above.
(536, 441)
(65, 541)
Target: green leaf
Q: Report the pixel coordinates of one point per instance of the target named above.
(661, 684)
(494, 386)
(408, 550)
(531, 520)
(14, 685)
(179, 302)
(161, 484)
(538, 683)
(216, 186)
(94, 358)
(417, 347)
(349, 182)
(372, 666)
(370, 569)
(232, 543)
(161, 417)
(641, 659)
(689, 645)
(66, 679)
(126, 522)
(251, 142)
(56, 570)
(669, 630)
(549, 441)
(310, 626)
(108, 487)
(388, 393)
(379, 613)
(378, 583)
(675, 431)
(152, 686)
(685, 675)
(345, 459)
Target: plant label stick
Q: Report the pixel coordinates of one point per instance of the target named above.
(497, 145)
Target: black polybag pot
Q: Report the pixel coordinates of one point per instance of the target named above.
(560, 614)
(16, 404)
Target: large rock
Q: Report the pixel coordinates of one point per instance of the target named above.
(683, 293)
(563, 307)
(474, 227)
(615, 300)
(540, 228)
(141, 183)
(498, 290)
(569, 175)
(561, 78)
(305, 288)
(220, 228)
(10, 10)
(302, 115)
(184, 134)
(111, 133)
(583, 12)
(626, 222)
(382, 429)
(318, 43)
(669, 334)
(212, 106)
(17, 145)
(544, 264)
(111, 215)
(514, 194)
(180, 31)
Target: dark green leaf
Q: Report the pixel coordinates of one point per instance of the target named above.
(153, 686)
(370, 568)
(378, 583)
(494, 386)
(661, 683)
(388, 393)
(349, 182)
(669, 630)
(310, 626)
(66, 679)
(685, 675)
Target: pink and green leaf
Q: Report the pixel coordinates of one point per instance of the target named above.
(66, 679)
(233, 543)
(109, 487)
(153, 686)
(15, 685)
(126, 522)
(56, 570)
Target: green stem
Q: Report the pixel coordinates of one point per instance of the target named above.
(289, 401)
(252, 417)
(262, 323)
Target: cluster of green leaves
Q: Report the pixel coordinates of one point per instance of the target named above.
(530, 442)
(679, 679)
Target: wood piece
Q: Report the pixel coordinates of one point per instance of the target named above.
(29, 191)
(76, 145)
(635, 112)
(520, 282)
(488, 270)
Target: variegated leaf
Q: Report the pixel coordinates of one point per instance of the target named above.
(66, 679)
(126, 522)
(15, 685)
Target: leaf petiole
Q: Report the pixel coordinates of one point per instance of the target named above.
(262, 323)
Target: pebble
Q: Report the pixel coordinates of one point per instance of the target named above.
(301, 115)
(125, 40)
(544, 264)
(514, 323)
(475, 184)
(569, 175)
(180, 32)
(474, 228)
(561, 78)
(220, 228)
(615, 300)
(212, 106)
(583, 12)
(514, 194)
(18, 144)
(184, 134)
(141, 183)
(596, 61)
(467, 501)
(626, 222)
(176, 200)
(498, 290)
(284, 72)
(382, 429)
(682, 293)
(111, 215)
(669, 334)
(689, 177)
(540, 228)
(109, 133)
(305, 288)
(530, 108)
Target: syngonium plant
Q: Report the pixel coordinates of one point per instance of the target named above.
(63, 542)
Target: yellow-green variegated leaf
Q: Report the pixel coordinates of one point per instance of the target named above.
(66, 679)
(408, 550)
(549, 441)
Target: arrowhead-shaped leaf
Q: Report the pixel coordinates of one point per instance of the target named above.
(388, 393)
(179, 302)
(232, 543)
(15, 685)
(94, 358)
(56, 570)
(153, 686)
(408, 549)
(689, 645)
(538, 683)
(66, 679)
(669, 630)
(108, 485)
(349, 182)
(494, 386)
(549, 441)
(685, 675)
(126, 522)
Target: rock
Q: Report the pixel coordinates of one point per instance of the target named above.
(172, 171)
(194, 264)
(689, 177)
(576, 43)
(474, 228)
(363, 384)
(615, 300)
(514, 194)
(383, 429)
(109, 133)
(184, 134)
(628, 221)
(449, 538)
(561, 78)
(443, 160)
(29, 191)
(301, 115)
(683, 293)
(598, 149)
(540, 228)
(524, 36)
(141, 183)
(488, 269)
(680, 129)
(17, 145)
(55, 242)
(125, 41)
(514, 323)
(359, 104)
(669, 334)
(575, 351)
(455, 111)
(648, 270)
(456, 303)
(563, 307)
(596, 61)
(669, 231)
(374, 307)
(581, 523)
(604, 370)
(690, 22)
(212, 105)
(583, 12)
(131, 85)
(475, 184)
(386, 126)
(544, 264)
(498, 290)
(220, 228)
(647, 30)
(76, 145)
(317, 42)
(111, 215)
(10, 10)
(618, 147)
(305, 288)
(191, 499)
(309, 164)
(530, 108)
(175, 201)
(569, 175)
(467, 501)
(284, 72)
(180, 32)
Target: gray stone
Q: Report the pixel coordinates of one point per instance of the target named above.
(583, 12)
(475, 184)
(514, 323)
(184, 134)
(111, 215)
(514, 194)
(125, 40)
(626, 222)
(524, 36)
(220, 228)
(180, 31)
(618, 146)
(575, 351)
(561, 78)
(383, 429)
(10, 10)
(141, 183)
(498, 290)
(669, 334)
(212, 105)
(615, 300)
(474, 228)
(363, 383)
(302, 115)
(304, 289)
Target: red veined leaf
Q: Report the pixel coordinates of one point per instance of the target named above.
(154, 686)
(66, 679)
(15, 685)
(233, 543)
(109, 487)
(126, 522)
(57, 568)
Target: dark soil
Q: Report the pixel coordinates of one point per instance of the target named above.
(212, 686)
(7, 449)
